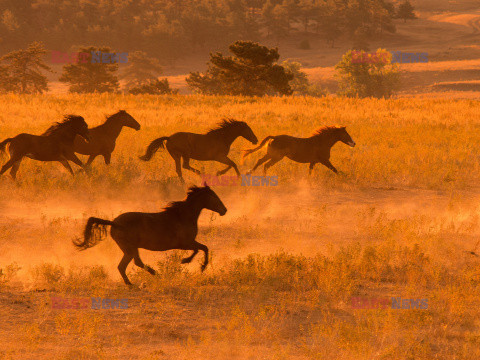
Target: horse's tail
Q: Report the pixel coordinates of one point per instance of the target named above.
(153, 147)
(262, 144)
(3, 144)
(95, 231)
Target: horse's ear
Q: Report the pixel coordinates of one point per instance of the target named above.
(205, 184)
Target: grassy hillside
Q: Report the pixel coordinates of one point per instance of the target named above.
(401, 143)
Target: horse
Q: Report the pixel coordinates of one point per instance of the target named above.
(55, 144)
(313, 150)
(213, 145)
(103, 137)
(173, 228)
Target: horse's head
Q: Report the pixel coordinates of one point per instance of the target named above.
(345, 137)
(211, 201)
(79, 126)
(247, 133)
(127, 120)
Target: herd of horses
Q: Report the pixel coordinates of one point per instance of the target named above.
(175, 227)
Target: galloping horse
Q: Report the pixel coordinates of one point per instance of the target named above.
(214, 145)
(55, 144)
(314, 149)
(173, 228)
(103, 137)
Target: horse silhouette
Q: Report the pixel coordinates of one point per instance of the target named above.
(312, 150)
(214, 145)
(103, 137)
(173, 228)
(55, 144)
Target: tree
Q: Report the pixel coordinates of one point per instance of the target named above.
(330, 21)
(365, 20)
(405, 11)
(22, 72)
(373, 76)
(241, 20)
(276, 19)
(251, 71)
(140, 69)
(153, 87)
(89, 76)
(306, 12)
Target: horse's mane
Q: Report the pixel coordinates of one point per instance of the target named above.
(325, 130)
(178, 205)
(112, 116)
(225, 124)
(61, 125)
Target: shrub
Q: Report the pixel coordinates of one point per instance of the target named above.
(369, 77)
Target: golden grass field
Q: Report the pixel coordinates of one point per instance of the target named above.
(401, 220)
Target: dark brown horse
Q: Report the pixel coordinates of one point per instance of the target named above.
(55, 144)
(173, 228)
(103, 137)
(314, 149)
(214, 145)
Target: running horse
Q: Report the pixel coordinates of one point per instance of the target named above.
(103, 138)
(173, 228)
(214, 145)
(312, 150)
(55, 144)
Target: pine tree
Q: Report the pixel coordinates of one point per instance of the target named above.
(330, 20)
(251, 71)
(276, 19)
(88, 76)
(22, 72)
(140, 69)
(405, 11)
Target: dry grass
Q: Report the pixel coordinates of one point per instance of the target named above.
(399, 221)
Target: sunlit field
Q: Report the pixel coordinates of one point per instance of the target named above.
(400, 220)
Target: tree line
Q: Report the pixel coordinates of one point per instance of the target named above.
(251, 70)
(172, 29)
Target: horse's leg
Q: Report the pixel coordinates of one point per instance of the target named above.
(140, 264)
(259, 162)
(202, 247)
(227, 161)
(9, 164)
(269, 164)
(73, 158)
(310, 168)
(178, 166)
(186, 165)
(107, 157)
(329, 165)
(189, 259)
(67, 166)
(123, 266)
(14, 169)
(90, 160)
